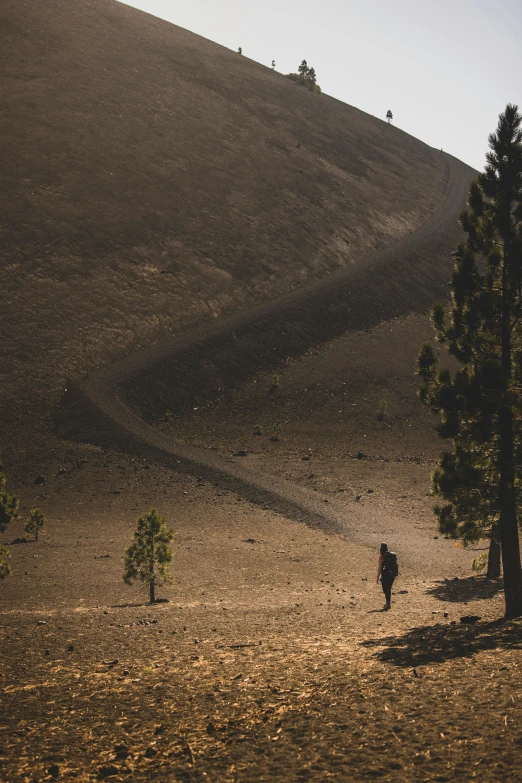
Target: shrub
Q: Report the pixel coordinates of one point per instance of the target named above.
(35, 523)
(5, 568)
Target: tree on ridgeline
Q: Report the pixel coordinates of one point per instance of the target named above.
(240, 50)
(306, 77)
(481, 404)
(8, 511)
(273, 64)
(149, 555)
(389, 116)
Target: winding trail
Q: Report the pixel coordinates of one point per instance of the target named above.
(394, 282)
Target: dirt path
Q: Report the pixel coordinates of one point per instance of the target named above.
(385, 285)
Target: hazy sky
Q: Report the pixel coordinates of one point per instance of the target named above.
(446, 68)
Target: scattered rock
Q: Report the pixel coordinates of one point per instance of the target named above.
(240, 453)
(111, 663)
(469, 619)
(446, 614)
(107, 771)
(361, 455)
(402, 592)
(249, 541)
(71, 648)
(53, 770)
(40, 480)
(357, 497)
(47, 652)
(19, 540)
(306, 458)
(41, 622)
(370, 491)
(161, 601)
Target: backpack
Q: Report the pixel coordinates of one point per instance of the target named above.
(390, 566)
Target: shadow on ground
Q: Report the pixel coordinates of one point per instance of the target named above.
(439, 643)
(472, 588)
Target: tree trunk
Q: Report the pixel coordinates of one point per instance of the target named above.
(508, 507)
(152, 595)
(508, 519)
(494, 553)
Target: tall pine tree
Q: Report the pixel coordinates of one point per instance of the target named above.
(481, 403)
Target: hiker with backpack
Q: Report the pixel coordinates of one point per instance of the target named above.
(388, 570)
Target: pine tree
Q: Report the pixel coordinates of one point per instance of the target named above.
(8, 510)
(8, 504)
(5, 568)
(481, 404)
(149, 555)
(306, 77)
(303, 69)
(35, 523)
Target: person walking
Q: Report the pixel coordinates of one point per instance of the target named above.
(387, 572)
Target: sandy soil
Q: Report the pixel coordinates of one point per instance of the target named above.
(272, 659)
(154, 181)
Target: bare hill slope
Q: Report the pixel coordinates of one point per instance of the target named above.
(154, 180)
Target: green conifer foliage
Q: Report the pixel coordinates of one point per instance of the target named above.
(480, 405)
(149, 555)
(306, 77)
(5, 568)
(35, 523)
(8, 510)
(8, 504)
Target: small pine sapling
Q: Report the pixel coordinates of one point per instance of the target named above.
(382, 410)
(276, 431)
(8, 510)
(5, 568)
(479, 563)
(35, 523)
(275, 383)
(258, 430)
(8, 504)
(149, 555)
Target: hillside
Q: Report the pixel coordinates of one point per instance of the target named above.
(154, 181)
